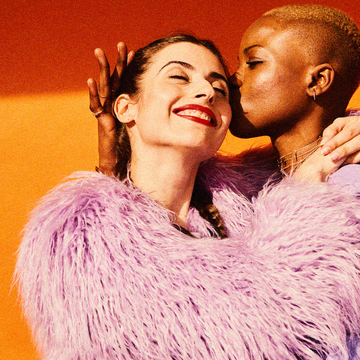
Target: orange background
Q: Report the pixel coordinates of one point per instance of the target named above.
(46, 130)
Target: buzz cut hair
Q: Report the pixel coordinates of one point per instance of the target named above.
(333, 35)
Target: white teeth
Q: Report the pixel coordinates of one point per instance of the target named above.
(195, 113)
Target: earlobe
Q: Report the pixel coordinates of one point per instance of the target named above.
(124, 109)
(322, 78)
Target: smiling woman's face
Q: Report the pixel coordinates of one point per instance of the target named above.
(183, 101)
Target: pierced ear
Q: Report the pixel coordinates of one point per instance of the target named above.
(322, 77)
(124, 108)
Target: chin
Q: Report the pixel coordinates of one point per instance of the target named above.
(243, 128)
(241, 131)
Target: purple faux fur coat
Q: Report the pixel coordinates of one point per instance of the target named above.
(103, 273)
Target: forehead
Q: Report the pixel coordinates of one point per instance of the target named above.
(201, 58)
(272, 35)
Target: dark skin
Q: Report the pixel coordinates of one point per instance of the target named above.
(102, 101)
(288, 92)
(341, 139)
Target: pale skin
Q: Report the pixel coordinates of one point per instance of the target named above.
(169, 123)
(341, 140)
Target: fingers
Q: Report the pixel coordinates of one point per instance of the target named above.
(104, 92)
(349, 151)
(123, 60)
(353, 159)
(122, 57)
(130, 57)
(95, 103)
(341, 131)
(109, 85)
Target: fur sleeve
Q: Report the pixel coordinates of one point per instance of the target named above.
(68, 275)
(310, 234)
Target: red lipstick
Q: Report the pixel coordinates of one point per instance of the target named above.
(212, 122)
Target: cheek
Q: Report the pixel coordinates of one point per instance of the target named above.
(224, 113)
(155, 104)
(227, 115)
(260, 85)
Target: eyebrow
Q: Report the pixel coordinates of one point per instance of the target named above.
(186, 65)
(182, 63)
(246, 50)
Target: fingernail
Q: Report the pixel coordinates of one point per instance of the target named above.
(323, 141)
(335, 156)
(326, 150)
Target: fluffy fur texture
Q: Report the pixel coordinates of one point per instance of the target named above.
(104, 275)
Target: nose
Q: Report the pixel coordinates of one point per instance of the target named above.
(206, 91)
(235, 81)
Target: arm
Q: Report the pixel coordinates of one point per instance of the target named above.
(101, 105)
(340, 145)
(69, 280)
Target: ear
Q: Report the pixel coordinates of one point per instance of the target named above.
(322, 78)
(124, 109)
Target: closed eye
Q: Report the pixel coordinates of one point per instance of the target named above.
(221, 91)
(220, 87)
(252, 64)
(180, 77)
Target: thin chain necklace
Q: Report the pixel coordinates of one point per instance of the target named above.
(291, 162)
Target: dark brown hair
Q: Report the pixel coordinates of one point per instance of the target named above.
(201, 199)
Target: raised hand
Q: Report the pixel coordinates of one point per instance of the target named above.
(101, 100)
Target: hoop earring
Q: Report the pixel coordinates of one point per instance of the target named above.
(314, 96)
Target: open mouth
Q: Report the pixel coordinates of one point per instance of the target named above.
(197, 113)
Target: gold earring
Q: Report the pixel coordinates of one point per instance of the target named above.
(314, 96)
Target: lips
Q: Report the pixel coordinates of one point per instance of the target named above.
(197, 113)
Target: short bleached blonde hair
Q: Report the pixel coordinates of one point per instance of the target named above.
(327, 33)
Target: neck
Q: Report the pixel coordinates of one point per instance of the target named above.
(292, 161)
(297, 144)
(167, 176)
(296, 138)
